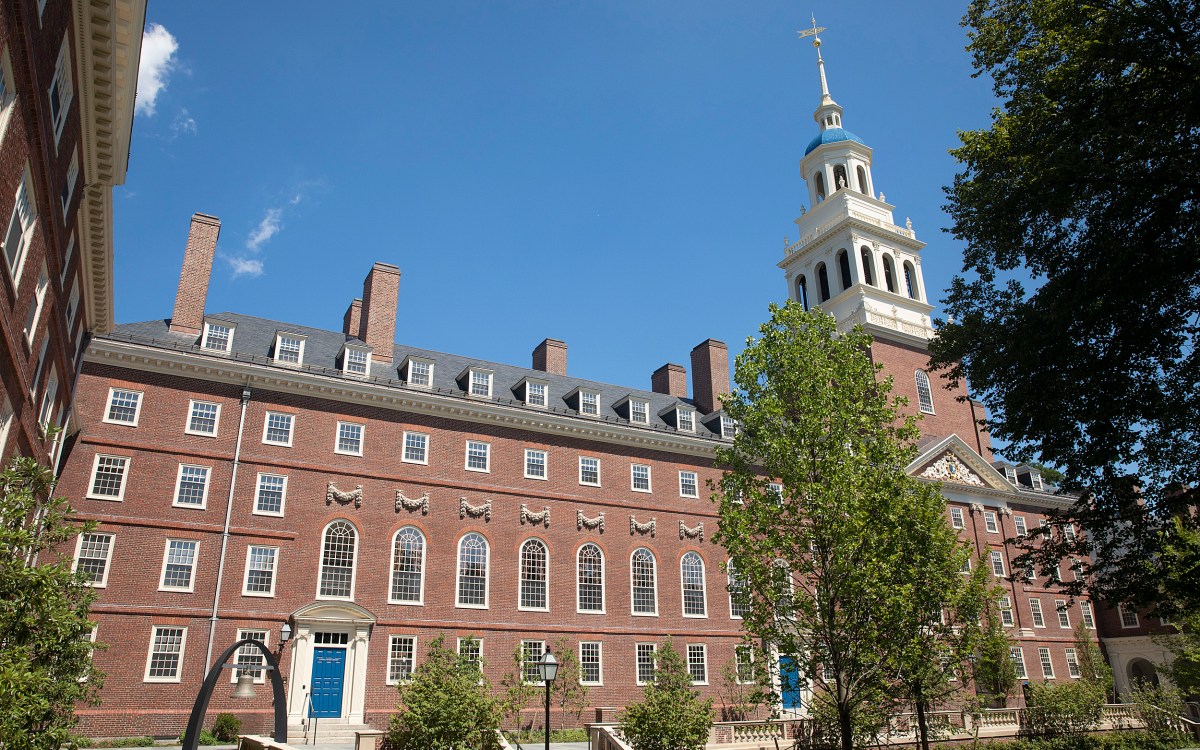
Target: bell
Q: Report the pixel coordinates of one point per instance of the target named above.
(245, 685)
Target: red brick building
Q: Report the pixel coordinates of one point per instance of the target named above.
(248, 473)
(68, 73)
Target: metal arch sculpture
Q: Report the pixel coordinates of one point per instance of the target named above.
(192, 737)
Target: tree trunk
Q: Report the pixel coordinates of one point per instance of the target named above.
(922, 728)
(846, 726)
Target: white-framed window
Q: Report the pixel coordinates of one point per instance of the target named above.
(416, 448)
(589, 471)
(956, 518)
(72, 307)
(743, 659)
(1006, 612)
(338, 552)
(697, 663)
(204, 417)
(589, 403)
(472, 572)
(356, 361)
(260, 570)
(46, 412)
(591, 671)
(1085, 611)
(349, 439)
(643, 580)
(736, 585)
(1019, 523)
(191, 486)
(989, 522)
(68, 191)
(39, 303)
(535, 564)
(639, 411)
(420, 373)
(535, 464)
(62, 89)
(6, 420)
(966, 566)
(1018, 659)
(471, 649)
(108, 477)
(645, 662)
(997, 558)
(537, 393)
(67, 257)
(165, 660)
(639, 477)
(1073, 664)
(179, 565)
(8, 91)
(1047, 665)
(729, 427)
(775, 492)
(479, 456)
(20, 226)
(250, 656)
(689, 484)
(93, 557)
(1068, 531)
(289, 348)
(589, 580)
(685, 419)
(691, 574)
(277, 428)
(408, 567)
(924, 392)
(479, 382)
(270, 494)
(1035, 609)
(402, 652)
(218, 336)
(1129, 616)
(37, 372)
(1064, 615)
(531, 654)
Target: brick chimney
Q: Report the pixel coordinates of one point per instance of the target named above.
(352, 321)
(670, 379)
(551, 356)
(381, 295)
(193, 279)
(710, 374)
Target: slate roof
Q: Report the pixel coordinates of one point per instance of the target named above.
(254, 340)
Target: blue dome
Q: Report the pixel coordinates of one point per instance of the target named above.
(832, 135)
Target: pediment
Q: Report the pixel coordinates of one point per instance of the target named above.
(951, 461)
(334, 612)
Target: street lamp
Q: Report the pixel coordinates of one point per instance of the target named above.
(548, 667)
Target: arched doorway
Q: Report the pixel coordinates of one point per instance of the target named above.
(1141, 670)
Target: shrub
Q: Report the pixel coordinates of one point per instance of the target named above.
(206, 737)
(1158, 707)
(671, 715)
(1065, 709)
(447, 705)
(227, 727)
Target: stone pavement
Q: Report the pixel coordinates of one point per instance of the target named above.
(350, 746)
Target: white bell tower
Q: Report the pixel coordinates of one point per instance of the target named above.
(852, 260)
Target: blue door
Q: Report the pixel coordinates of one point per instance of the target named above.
(328, 671)
(789, 683)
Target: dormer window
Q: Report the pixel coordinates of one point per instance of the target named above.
(685, 419)
(728, 427)
(418, 372)
(534, 392)
(639, 411)
(586, 401)
(289, 348)
(218, 336)
(356, 360)
(1010, 474)
(476, 381)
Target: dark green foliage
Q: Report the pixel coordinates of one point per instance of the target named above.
(994, 673)
(206, 738)
(119, 742)
(226, 727)
(45, 648)
(1159, 707)
(671, 715)
(566, 692)
(1064, 708)
(447, 705)
(1184, 669)
(1106, 741)
(1077, 316)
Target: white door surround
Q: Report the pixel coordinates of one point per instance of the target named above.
(330, 617)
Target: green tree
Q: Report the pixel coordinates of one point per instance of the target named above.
(516, 694)
(45, 647)
(1092, 665)
(839, 567)
(568, 691)
(993, 671)
(671, 715)
(1184, 668)
(1076, 317)
(446, 705)
(1064, 708)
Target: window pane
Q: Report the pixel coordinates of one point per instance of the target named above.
(472, 571)
(591, 579)
(270, 493)
(692, 571)
(644, 582)
(407, 561)
(337, 560)
(123, 406)
(260, 570)
(533, 574)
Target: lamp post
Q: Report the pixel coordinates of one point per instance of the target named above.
(548, 667)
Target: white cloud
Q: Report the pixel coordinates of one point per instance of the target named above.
(184, 123)
(295, 199)
(266, 229)
(244, 266)
(158, 60)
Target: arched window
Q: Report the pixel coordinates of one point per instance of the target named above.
(862, 181)
(924, 392)
(472, 571)
(337, 561)
(889, 274)
(590, 579)
(823, 281)
(408, 566)
(910, 280)
(533, 575)
(843, 259)
(739, 603)
(644, 581)
(839, 177)
(820, 180)
(868, 262)
(691, 572)
(802, 292)
(781, 582)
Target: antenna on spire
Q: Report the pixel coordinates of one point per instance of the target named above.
(814, 32)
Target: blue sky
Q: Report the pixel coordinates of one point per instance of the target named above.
(619, 175)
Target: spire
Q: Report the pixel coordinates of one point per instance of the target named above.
(829, 113)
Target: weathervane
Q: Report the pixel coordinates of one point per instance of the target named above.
(813, 33)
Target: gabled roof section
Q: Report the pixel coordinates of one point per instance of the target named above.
(952, 461)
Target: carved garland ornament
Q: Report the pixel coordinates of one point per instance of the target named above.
(474, 511)
(642, 528)
(411, 504)
(542, 517)
(949, 469)
(693, 533)
(344, 497)
(583, 522)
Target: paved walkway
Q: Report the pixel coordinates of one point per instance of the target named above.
(350, 745)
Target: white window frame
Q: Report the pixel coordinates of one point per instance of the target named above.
(392, 641)
(1125, 612)
(487, 574)
(1017, 654)
(299, 338)
(112, 539)
(749, 650)
(6, 420)
(337, 438)
(649, 488)
(478, 649)
(594, 399)
(8, 91)
(420, 601)
(162, 575)
(470, 373)
(39, 304)
(703, 650)
(120, 496)
(545, 464)
(1064, 614)
(150, 653)
(990, 522)
(487, 456)
(632, 598)
(1035, 611)
(1046, 662)
(191, 412)
(703, 588)
(957, 520)
(408, 372)
(695, 483)
(1006, 612)
(545, 575)
(544, 385)
(637, 655)
(603, 582)
(25, 220)
(680, 413)
(258, 484)
(274, 571)
(179, 484)
(66, 90)
(260, 675)
(208, 325)
(996, 556)
(49, 401)
(924, 392)
(1074, 671)
(729, 428)
(1089, 618)
(526, 652)
(644, 407)
(346, 350)
(424, 451)
(291, 428)
(68, 192)
(599, 663)
(1019, 523)
(597, 483)
(353, 565)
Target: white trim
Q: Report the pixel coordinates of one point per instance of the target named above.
(162, 576)
(991, 522)
(357, 349)
(1122, 610)
(545, 464)
(679, 412)
(637, 673)
(274, 572)
(261, 679)
(187, 424)
(687, 660)
(387, 672)
(649, 488)
(545, 578)
(299, 338)
(525, 652)
(957, 519)
(353, 564)
(1063, 612)
(487, 572)
(137, 408)
(695, 483)
(112, 539)
(469, 375)
(257, 490)
(404, 448)
(603, 581)
(208, 325)
(203, 504)
(1036, 613)
(632, 599)
(337, 438)
(150, 653)
(545, 384)
(392, 568)
(1072, 659)
(599, 663)
(994, 556)
(120, 496)
(63, 68)
(597, 483)
(291, 428)
(1047, 661)
(487, 456)
(703, 587)
(407, 368)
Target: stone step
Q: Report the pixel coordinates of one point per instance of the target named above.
(327, 732)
